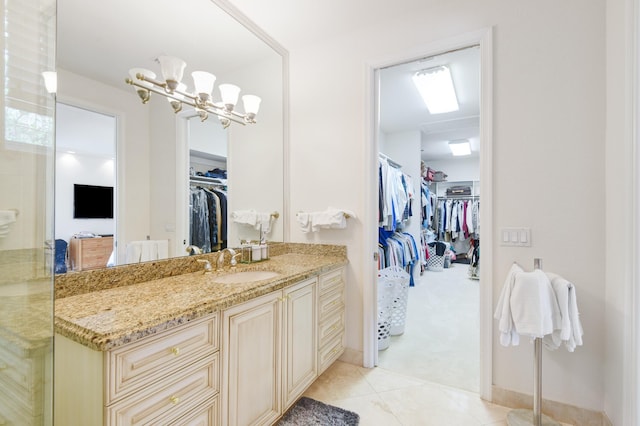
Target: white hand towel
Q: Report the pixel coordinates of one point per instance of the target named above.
(133, 252)
(304, 220)
(264, 222)
(163, 249)
(508, 334)
(330, 218)
(570, 331)
(533, 304)
(7, 217)
(245, 217)
(527, 306)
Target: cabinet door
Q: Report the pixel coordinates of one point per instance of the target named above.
(300, 350)
(252, 343)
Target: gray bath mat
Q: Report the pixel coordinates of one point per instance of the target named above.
(308, 411)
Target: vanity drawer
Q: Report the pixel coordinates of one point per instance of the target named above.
(205, 415)
(329, 353)
(333, 325)
(168, 401)
(330, 281)
(330, 302)
(138, 364)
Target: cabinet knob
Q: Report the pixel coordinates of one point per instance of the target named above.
(175, 350)
(174, 399)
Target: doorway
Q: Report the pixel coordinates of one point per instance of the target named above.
(86, 185)
(480, 42)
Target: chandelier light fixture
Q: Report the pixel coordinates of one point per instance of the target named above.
(201, 100)
(436, 88)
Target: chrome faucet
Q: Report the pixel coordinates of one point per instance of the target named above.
(193, 250)
(233, 255)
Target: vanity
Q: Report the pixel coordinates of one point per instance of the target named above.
(236, 347)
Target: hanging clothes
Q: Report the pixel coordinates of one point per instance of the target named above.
(208, 219)
(395, 196)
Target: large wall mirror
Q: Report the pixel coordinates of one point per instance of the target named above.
(154, 151)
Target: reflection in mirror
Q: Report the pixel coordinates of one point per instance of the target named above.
(84, 184)
(96, 49)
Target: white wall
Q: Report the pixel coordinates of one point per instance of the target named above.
(621, 369)
(549, 130)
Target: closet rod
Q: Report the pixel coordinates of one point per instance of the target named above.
(390, 161)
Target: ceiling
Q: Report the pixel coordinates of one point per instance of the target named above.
(402, 108)
(104, 42)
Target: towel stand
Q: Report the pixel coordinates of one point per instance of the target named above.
(522, 417)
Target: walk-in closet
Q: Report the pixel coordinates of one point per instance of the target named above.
(207, 185)
(429, 252)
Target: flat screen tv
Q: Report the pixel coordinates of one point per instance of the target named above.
(92, 202)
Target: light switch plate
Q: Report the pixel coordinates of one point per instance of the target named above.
(515, 237)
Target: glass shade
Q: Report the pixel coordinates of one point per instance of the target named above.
(172, 68)
(229, 94)
(251, 104)
(145, 72)
(203, 82)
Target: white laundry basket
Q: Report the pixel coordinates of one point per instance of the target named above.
(396, 281)
(434, 262)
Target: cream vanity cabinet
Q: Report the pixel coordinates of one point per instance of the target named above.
(168, 378)
(269, 354)
(331, 322)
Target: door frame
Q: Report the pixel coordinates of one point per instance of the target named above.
(483, 38)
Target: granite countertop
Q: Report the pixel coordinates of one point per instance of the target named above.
(108, 318)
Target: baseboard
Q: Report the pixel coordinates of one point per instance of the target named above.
(560, 412)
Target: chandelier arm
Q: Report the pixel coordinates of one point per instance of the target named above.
(189, 100)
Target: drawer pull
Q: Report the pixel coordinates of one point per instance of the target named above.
(174, 399)
(175, 350)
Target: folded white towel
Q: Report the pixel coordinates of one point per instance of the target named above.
(330, 218)
(259, 220)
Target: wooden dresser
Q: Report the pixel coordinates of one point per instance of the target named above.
(89, 253)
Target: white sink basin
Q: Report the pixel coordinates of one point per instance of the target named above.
(245, 277)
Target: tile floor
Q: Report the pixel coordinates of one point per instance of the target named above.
(428, 375)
